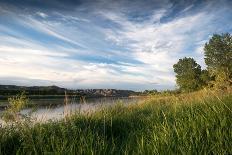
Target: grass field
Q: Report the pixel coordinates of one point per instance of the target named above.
(196, 123)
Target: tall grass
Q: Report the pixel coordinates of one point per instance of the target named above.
(196, 123)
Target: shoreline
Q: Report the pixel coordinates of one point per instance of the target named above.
(50, 101)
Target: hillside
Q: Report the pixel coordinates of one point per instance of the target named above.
(43, 91)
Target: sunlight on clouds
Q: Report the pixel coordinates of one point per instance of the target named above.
(35, 64)
(158, 45)
(26, 51)
(91, 47)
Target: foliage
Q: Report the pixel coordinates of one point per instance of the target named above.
(16, 104)
(150, 92)
(188, 74)
(218, 58)
(196, 123)
(160, 93)
(205, 77)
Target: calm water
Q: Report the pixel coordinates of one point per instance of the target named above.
(54, 109)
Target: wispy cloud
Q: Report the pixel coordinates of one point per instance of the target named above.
(161, 44)
(41, 14)
(97, 45)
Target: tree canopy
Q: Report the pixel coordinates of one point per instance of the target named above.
(188, 74)
(218, 58)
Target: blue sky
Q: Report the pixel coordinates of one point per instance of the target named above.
(104, 43)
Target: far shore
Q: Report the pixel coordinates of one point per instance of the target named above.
(51, 98)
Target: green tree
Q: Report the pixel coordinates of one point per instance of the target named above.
(218, 58)
(205, 77)
(188, 74)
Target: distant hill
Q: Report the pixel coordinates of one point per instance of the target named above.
(9, 90)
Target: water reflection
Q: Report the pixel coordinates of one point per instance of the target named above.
(55, 109)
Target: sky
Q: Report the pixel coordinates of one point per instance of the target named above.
(120, 44)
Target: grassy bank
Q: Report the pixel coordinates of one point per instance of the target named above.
(197, 123)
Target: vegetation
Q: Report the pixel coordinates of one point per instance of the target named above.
(196, 123)
(16, 104)
(218, 58)
(159, 93)
(188, 74)
(6, 90)
(38, 92)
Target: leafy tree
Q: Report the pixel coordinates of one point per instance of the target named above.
(218, 58)
(205, 77)
(188, 74)
(151, 92)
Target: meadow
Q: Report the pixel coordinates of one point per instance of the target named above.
(190, 123)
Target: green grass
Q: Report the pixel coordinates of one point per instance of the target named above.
(197, 123)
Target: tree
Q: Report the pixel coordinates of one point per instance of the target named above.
(218, 58)
(188, 74)
(205, 77)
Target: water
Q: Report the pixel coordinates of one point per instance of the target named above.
(54, 109)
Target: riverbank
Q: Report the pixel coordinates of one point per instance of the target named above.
(196, 123)
(53, 101)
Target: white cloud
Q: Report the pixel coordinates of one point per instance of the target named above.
(51, 28)
(41, 14)
(42, 65)
(187, 8)
(157, 45)
(160, 44)
(28, 51)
